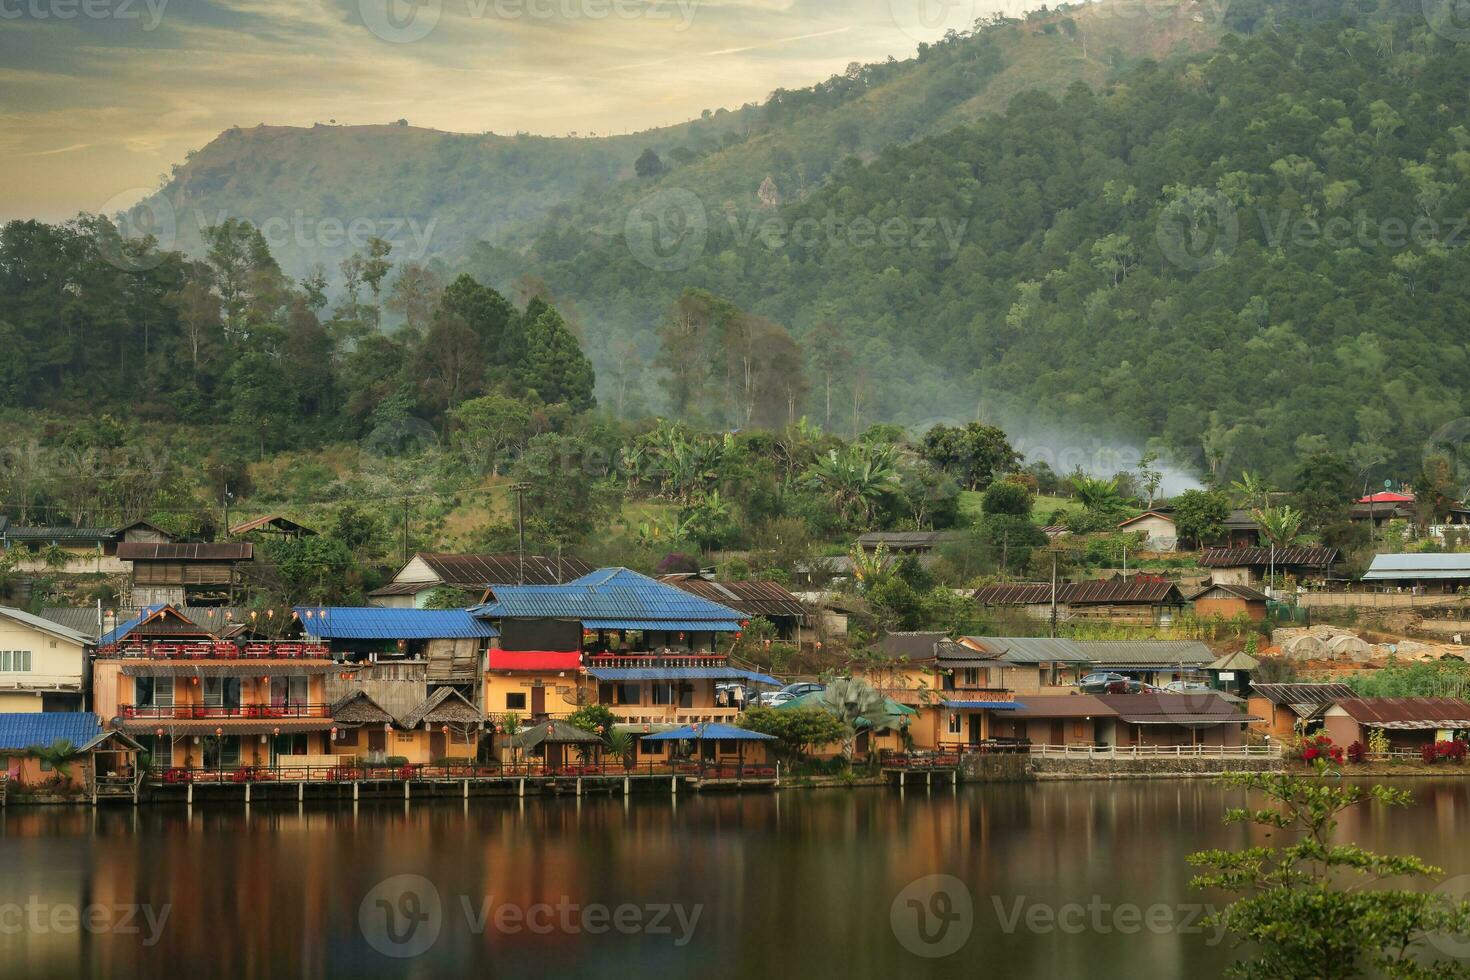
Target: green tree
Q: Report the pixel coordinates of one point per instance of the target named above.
(798, 731)
(648, 164)
(555, 367)
(488, 428)
(1314, 908)
(974, 455)
(1199, 516)
(1280, 526)
(596, 718)
(1008, 497)
(854, 478)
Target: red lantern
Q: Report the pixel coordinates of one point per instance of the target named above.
(277, 731)
(159, 732)
(334, 731)
(551, 729)
(444, 729)
(218, 732)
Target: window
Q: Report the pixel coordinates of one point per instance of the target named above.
(646, 747)
(12, 660)
(954, 723)
(515, 701)
(347, 736)
(288, 691)
(629, 693)
(972, 676)
(222, 692)
(153, 692)
(663, 693)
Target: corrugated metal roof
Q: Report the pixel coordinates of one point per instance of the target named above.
(611, 598)
(276, 521)
(1178, 709)
(1065, 706)
(1411, 566)
(1230, 591)
(909, 645)
(751, 598)
(1164, 653)
(482, 570)
(186, 551)
(45, 625)
(1408, 712)
(376, 623)
(1307, 557)
(121, 630)
(1120, 591)
(22, 730)
(711, 730)
(1016, 594)
(901, 540)
(1239, 660)
(990, 705)
(83, 535)
(1024, 650)
(679, 674)
(1303, 693)
(406, 588)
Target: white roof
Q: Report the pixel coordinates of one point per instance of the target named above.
(45, 625)
(1401, 566)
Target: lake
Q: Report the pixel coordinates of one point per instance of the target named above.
(1058, 879)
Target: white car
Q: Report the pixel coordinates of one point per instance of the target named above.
(1188, 687)
(773, 698)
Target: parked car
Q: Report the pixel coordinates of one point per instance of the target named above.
(1110, 683)
(773, 699)
(789, 693)
(1188, 687)
(1100, 679)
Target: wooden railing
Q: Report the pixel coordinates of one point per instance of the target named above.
(214, 651)
(182, 712)
(1269, 751)
(349, 771)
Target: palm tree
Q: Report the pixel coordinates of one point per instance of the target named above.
(57, 755)
(1251, 490)
(1280, 526)
(870, 567)
(856, 477)
(55, 556)
(852, 701)
(1097, 495)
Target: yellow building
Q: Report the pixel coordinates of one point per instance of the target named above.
(42, 664)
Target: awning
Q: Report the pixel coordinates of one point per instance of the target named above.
(665, 626)
(679, 674)
(228, 726)
(991, 705)
(535, 659)
(709, 733)
(1191, 720)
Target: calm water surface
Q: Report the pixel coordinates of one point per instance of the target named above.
(801, 884)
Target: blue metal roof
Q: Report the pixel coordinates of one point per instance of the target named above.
(22, 730)
(612, 598)
(678, 674)
(992, 705)
(712, 730)
(375, 623)
(121, 630)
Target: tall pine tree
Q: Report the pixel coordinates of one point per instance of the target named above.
(555, 367)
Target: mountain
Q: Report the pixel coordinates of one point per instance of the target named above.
(319, 193)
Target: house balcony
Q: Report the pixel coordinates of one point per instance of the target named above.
(245, 712)
(668, 714)
(657, 660)
(214, 651)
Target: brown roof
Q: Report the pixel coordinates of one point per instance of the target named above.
(358, 708)
(909, 646)
(1120, 591)
(405, 588)
(477, 571)
(1314, 557)
(444, 705)
(753, 598)
(1408, 712)
(272, 520)
(1177, 709)
(1233, 591)
(177, 551)
(1062, 706)
(1303, 693)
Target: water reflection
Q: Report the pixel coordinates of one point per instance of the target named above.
(797, 885)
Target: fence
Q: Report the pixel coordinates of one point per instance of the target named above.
(1270, 751)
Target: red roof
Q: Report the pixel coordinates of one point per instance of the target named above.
(1387, 497)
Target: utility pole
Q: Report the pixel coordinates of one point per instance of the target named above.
(405, 532)
(520, 490)
(1053, 594)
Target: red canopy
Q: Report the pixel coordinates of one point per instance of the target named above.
(535, 659)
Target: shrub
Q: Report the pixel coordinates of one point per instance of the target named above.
(1427, 752)
(1321, 747)
(1357, 753)
(1454, 751)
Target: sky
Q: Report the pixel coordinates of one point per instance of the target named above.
(99, 98)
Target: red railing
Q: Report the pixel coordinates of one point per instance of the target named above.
(348, 771)
(656, 660)
(214, 651)
(183, 712)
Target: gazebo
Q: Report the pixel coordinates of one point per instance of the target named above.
(712, 740)
(552, 737)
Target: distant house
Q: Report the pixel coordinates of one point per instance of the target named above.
(907, 542)
(1229, 601)
(1383, 507)
(83, 550)
(427, 571)
(1253, 566)
(768, 600)
(1138, 598)
(1427, 573)
(176, 573)
(1157, 528)
(1409, 723)
(272, 525)
(43, 665)
(1286, 709)
(1154, 662)
(1125, 720)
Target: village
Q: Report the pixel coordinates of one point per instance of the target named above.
(555, 676)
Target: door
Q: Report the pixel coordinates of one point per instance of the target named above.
(1058, 733)
(974, 737)
(438, 746)
(377, 743)
(538, 701)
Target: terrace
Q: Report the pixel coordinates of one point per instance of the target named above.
(212, 650)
